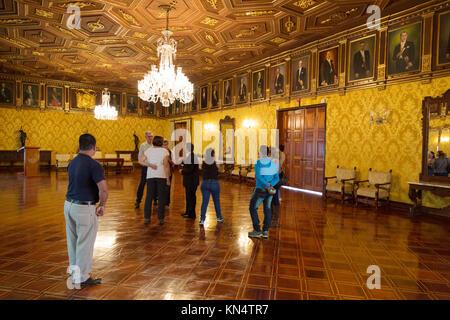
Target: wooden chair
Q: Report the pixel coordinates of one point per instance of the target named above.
(235, 174)
(62, 160)
(98, 155)
(342, 188)
(127, 162)
(108, 165)
(251, 177)
(378, 188)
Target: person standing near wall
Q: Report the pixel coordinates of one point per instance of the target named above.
(87, 186)
(266, 173)
(190, 181)
(210, 185)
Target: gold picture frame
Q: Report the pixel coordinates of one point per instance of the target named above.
(294, 69)
(245, 88)
(204, 97)
(390, 35)
(227, 99)
(272, 76)
(351, 58)
(26, 96)
(438, 40)
(336, 64)
(215, 95)
(54, 97)
(261, 94)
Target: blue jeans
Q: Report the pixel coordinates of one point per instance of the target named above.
(210, 187)
(255, 201)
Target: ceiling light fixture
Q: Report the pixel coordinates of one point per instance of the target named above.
(166, 84)
(105, 111)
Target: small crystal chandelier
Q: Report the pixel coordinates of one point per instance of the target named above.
(165, 84)
(105, 111)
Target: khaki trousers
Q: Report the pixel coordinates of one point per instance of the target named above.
(81, 231)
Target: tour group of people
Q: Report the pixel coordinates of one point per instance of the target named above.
(87, 193)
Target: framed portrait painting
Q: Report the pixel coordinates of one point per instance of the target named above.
(114, 101)
(405, 49)
(329, 67)
(204, 97)
(7, 92)
(300, 74)
(361, 59)
(215, 95)
(227, 92)
(242, 86)
(177, 106)
(30, 95)
(277, 77)
(258, 87)
(194, 101)
(55, 97)
(443, 42)
(148, 108)
(132, 104)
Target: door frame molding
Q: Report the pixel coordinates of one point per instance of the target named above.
(312, 106)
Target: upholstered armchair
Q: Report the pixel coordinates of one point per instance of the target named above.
(378, 188)
(97, 155)
(62, 161)
(251, 177)
(342, 188)
(127, 162)
(235, 174)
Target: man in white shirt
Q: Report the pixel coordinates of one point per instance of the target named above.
(144, 146)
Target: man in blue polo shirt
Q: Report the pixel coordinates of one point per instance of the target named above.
(87, 186)
(266, 174)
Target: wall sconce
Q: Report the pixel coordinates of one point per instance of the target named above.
(209, 127)
(376, 118)
(248, 124)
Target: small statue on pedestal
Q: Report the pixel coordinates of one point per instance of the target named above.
(23, 137)
(136, 142)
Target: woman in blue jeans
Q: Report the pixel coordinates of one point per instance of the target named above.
(210, 185)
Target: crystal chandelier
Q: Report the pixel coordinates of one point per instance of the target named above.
(105, 111)
(166, 84)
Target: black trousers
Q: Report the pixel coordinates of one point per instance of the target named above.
(168, 191)
(140, 191)
(191, 199)
(155, 185)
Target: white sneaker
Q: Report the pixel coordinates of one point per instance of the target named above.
(202, 222)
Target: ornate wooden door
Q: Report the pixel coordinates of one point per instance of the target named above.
(303, 134)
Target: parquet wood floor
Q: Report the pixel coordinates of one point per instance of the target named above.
(319, 251)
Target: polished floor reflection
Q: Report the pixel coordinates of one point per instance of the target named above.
(318, 251)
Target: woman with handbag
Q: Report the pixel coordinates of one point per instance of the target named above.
(266, 173)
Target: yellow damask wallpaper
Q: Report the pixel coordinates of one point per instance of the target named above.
(350, 138)
(59, 131)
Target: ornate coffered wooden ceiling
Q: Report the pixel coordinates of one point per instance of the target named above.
(117, 41)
